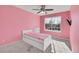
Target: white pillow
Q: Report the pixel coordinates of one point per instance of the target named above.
(37, 30)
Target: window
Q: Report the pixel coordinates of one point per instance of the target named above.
(52, 24)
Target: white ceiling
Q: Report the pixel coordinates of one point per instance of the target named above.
(57, 8)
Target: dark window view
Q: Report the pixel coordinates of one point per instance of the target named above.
(53, 23)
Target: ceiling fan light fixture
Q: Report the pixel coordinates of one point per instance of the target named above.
(42, 12)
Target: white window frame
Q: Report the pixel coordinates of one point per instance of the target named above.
(51, 19)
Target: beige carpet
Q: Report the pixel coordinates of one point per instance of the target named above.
(18, 47)
(60, 47)
(22, 47)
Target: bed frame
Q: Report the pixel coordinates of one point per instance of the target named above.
(31, 40)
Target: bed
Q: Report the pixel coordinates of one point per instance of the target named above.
(36, 39)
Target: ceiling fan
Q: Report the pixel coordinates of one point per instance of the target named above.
(43, 9)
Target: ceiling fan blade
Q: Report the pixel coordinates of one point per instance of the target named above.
(35, 9)
(49, 9)
(38, 12)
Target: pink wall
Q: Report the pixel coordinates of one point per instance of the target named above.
(74, 33)
(65, 28)
(13, 20)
